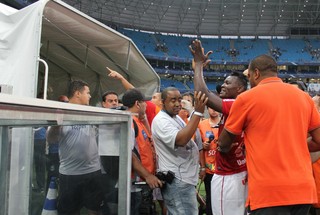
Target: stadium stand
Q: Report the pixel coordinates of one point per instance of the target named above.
(220, 49)
(174, 48)
(173, 83)
(298, 56)
(249, 48)
(291, 50)
(172, 55)
(314, 49)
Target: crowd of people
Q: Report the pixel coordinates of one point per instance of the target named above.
(255, 150)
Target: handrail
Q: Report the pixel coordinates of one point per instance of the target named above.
(45, 78)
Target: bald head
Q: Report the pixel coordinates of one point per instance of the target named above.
(261, 67)
(264, 63)
(156, 99)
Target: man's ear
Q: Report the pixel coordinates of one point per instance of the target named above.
(241, 89)
(77, 94)
(137, 104)
(256, 74)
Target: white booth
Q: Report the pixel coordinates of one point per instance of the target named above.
(20, 117)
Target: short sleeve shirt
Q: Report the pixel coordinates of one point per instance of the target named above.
(234, 161)
(275, 118)
(183, 161)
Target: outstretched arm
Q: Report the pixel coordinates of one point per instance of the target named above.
(199, 61)
(114, 74)
(185, 134)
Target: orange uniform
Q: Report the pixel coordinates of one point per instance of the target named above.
(276, 118)
(209, 155)
(145, 147)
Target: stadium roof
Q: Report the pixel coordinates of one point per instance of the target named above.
(208, 17)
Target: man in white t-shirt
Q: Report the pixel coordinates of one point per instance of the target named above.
(177, 152)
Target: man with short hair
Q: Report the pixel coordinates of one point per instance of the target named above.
(80, 173)
(177, 152)
(110, 99)
(228, 185)
(275, 118)
(189, 97)
(156, 99)
(143, 156)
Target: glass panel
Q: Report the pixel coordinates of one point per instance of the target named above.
(29, 160)
(109, 153)
(45, 168)
(40, 176)
(20, 141)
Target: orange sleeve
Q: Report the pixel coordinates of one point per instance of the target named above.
(237, 117)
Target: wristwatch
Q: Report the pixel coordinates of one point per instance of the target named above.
(198, 113)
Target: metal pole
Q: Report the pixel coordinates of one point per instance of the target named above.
(45, 78)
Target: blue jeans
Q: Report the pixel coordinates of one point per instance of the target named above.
(180, 198)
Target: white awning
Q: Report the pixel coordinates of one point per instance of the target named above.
(74, 45)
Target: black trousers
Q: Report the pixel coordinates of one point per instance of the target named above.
(283, 210)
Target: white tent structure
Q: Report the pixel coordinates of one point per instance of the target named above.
(73, 45)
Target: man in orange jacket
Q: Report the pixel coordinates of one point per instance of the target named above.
(143, 156)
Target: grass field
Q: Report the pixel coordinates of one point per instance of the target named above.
(202, 191)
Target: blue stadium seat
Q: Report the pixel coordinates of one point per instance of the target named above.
(292, 50)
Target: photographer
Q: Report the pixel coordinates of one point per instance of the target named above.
(143, 155)
(177, 152)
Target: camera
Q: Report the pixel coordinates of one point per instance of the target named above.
(166, 177)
